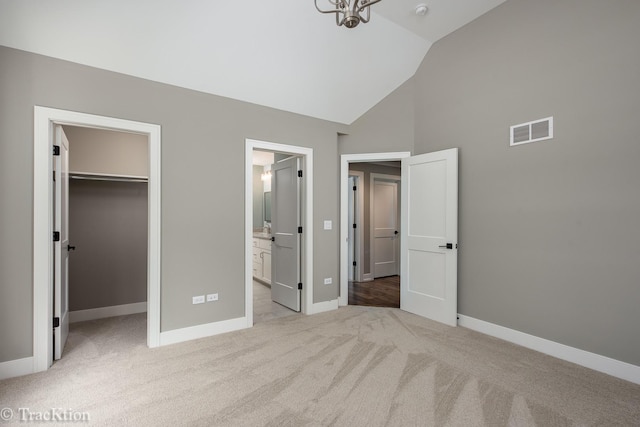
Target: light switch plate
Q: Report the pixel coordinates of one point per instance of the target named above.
(328, 224)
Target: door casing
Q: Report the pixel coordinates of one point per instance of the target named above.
(44, 120)
(307, 221)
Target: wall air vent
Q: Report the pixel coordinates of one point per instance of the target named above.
(538, 130)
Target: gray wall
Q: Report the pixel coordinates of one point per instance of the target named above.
(203, 144)
(108, 227)
(388, 126)
(549, 232)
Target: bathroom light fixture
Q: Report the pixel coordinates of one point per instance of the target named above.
(266, 176)
(349, 12)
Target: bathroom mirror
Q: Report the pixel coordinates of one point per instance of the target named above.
(267, 206)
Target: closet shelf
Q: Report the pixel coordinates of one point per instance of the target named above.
(107, 177)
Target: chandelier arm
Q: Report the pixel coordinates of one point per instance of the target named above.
(336, 11)
(363, 18)
(349, 12)
(365, 6)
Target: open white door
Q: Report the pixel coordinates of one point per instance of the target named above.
(285, 220)
(61, 246)
(428, 282)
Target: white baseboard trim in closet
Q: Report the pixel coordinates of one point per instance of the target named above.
(103, 312)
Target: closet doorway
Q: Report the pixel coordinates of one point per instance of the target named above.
(48, 130)
(108, 223)
(107, 228)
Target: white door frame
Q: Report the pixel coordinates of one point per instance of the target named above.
(372, 179)
(44, 120)
(345, 159)
(307, 248)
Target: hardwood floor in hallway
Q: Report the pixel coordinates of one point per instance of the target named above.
(381, 292)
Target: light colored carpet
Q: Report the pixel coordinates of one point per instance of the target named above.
(264, 308)
(357, 366)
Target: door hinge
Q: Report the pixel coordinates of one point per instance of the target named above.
(56, 322)
(300, 174)
(354, 188)
(56, 150)
(354, 225)
(56, 236)
(299, 230)
(299, 285)
(354, 263)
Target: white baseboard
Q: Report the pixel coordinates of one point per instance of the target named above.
(202, 331)
(16, 368)
(321, 307)
(367, 277)
(103, 312)
(613, 367)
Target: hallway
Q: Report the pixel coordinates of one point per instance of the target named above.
(381, 292)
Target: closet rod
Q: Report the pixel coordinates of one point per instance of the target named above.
(96, 177)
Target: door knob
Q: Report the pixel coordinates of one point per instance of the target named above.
(395, 232)
(447, 246)
(71, 248)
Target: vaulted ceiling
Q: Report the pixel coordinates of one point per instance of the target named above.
(282, 54)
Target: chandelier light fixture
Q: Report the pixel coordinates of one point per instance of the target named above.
(349, 12)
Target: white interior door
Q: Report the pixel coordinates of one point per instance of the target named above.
(385, 228)
(428, 282)
(285, 220)
(61, 247)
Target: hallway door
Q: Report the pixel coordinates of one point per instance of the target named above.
(385, 227)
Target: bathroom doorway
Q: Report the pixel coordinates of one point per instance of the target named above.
(306, 219)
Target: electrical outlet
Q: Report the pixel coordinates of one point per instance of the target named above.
(328, 224)
(328, 280)
(198, 300)
(212, 297)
